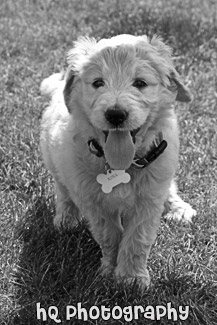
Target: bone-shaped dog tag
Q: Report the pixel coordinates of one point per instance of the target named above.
(112, 178)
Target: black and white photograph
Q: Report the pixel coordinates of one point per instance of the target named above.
(108, 162)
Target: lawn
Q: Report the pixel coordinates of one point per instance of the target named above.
(41, 265)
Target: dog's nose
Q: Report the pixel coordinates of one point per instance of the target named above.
(116, 116)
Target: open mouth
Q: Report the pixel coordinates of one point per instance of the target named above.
(119, 148)
(132, 132)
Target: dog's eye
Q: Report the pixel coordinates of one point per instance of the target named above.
(139, 83)
(98, 83)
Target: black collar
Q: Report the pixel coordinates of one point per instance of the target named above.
(157, 148)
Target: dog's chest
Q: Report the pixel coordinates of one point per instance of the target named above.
(115, 189)
(122, 196)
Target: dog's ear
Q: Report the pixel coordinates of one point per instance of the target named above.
(67, 91)
(183, 93)
(175, 83)
(76, 57)
(82, 49)
(162, 49)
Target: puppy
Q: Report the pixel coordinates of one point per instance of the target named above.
(110, 140)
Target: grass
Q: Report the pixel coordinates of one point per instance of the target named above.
(37, 264)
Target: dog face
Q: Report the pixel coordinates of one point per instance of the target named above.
(120, 86)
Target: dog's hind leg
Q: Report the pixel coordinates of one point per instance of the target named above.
(176, 208)
(67, 213)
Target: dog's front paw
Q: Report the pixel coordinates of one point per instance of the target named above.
(143, 280)
(58, 221)
(181, 211)
(62, 221)
(106, 270)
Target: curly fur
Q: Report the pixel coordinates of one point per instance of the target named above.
(125, 221)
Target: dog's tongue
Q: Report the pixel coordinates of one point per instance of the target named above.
(119, 149)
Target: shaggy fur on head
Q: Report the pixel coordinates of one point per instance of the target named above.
(112, 89)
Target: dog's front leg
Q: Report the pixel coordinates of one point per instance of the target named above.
(107, 233)
(139, 234)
